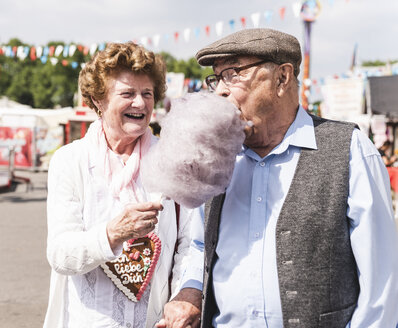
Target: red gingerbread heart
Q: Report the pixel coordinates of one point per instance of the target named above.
(133, 270)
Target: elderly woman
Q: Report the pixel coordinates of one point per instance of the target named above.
(111, 244)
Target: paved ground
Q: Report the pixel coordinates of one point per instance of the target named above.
(24, 270)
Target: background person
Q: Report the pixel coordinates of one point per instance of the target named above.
(96, 201)
(386, 153)
(304, 235)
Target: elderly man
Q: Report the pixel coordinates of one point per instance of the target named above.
(304, 235)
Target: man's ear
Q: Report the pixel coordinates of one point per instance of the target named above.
(285, 77)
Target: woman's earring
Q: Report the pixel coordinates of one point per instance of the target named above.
(99, 113)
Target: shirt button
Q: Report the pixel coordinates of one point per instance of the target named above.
(259, 199)
(128, 324)
(262, 164)
(256, 234)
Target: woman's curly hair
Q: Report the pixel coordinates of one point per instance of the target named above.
(118, 57)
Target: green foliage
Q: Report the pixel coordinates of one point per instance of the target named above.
(40, 85)
(190, 68)
(377, 63)
(16, 43)
(7, 69)
(20, 86)
(44, 85)
(65, 84)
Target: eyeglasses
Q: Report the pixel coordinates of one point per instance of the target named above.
(229, 75)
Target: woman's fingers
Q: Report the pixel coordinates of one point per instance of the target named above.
(146, 207)
(136, 221)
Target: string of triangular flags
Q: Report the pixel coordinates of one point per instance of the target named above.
(62, 53)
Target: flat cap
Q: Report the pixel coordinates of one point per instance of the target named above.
(265, 43)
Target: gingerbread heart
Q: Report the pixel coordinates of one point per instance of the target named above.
(133, 270)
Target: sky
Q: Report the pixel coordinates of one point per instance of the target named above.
(372, 25)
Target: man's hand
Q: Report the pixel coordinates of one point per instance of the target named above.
(183, 311)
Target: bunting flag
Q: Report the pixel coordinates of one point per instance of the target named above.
(39, 51)
(219, 27)
(58, 50)
(54, 61)
(65, 52)
(268, 16)
(156, 39)
(296, 9)
(207, 29)
(282, 12)
(33, 53)
(232, 24)
(243, 21)
(144, 41)
(47, 53)
(187, 34)
(72, 50)
(255, 19)
(197, 32)
(93, 49)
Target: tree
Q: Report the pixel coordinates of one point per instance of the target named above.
(8, 67)
(20, 87)
(190, 68)
(65, 82)
(373, 63)
(44, 85)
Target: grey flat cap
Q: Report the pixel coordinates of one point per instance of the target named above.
(266, 43)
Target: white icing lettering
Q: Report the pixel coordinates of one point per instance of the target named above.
(122, 259)
(128, 268)
(131, 279)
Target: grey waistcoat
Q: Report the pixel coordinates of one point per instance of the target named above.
(316, 268)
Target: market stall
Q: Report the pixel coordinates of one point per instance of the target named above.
(34, 134)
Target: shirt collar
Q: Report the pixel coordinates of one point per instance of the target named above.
(300, 134)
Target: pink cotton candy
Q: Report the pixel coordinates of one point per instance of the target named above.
(195, 155)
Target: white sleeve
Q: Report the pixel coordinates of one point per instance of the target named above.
(374, 237)
(181, 257)
(71, 249)
(193, 271)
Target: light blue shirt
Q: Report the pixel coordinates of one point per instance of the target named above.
(245, 275)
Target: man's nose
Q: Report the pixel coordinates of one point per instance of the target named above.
(222, 89)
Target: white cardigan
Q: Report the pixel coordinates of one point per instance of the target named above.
(77, 242)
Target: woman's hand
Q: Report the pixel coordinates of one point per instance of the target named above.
(135, 221)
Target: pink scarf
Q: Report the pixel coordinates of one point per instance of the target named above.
(121, 178)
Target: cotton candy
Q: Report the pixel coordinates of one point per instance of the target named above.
(195, 155)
